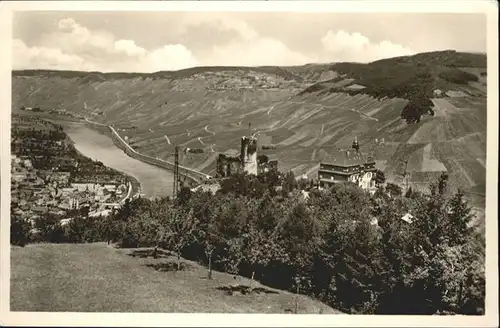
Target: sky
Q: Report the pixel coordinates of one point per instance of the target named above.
(155, 41)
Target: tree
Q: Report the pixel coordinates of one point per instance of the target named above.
(395, 253)
(271, 179)
(177, 231)
(443, 183)
(262, 247)
(298, 228)
(432, 217)
(472, 286)
(210, 238)
(19, 231)
(209, 251)
(289, 183)
(359, 269)
(206, 209)
(257, 188)
(232, 215)
(151, 232)
(303, 184)
(232, 212)
(300, 236)
(108, 228)
(455, 278)
(183, 196)
(238, 184)
(393, 189)
(262, 159)
(75, 230)
(379, 177)
(126, 210)
(429, 261)
(458, 220)
(49, 229)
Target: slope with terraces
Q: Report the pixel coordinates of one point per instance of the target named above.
(310, 111)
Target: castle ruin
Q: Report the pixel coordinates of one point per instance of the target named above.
(230, 163)
(249, 155)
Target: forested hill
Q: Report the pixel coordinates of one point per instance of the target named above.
(414, 78)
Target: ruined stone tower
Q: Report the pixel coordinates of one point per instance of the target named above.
(249, 155)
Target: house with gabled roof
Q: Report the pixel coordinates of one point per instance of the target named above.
(348, 166)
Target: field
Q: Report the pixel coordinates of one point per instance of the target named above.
(51, 277)
(211, 108)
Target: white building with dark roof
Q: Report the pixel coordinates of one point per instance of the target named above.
(348, 166)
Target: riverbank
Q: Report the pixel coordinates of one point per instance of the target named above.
(193, 176)
(104, 130)
(152, 177)
(95, 142)
(50, 175)
(65, 120)
(135, 184)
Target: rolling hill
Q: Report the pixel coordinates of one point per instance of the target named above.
(67, 278)
(428, 110)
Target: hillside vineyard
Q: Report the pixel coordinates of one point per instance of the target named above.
(211, 109)
(323, 188)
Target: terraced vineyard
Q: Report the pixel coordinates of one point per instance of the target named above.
(211, 108)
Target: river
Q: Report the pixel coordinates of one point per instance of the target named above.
(154, 180)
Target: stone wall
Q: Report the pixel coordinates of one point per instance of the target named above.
(195, 176)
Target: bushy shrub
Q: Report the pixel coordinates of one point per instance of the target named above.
(326, 246)
(20, 234)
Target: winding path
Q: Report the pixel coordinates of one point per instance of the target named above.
(206, 130)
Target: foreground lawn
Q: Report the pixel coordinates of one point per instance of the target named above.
(100, 278)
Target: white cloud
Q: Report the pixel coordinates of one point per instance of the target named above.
(67, 25)
(45, 58)
(71, 37)
(345, 46)
(254, 52)
(169, 58)
(129, 48)
(72, 46)
(75, 47)
(248, 49)
(219, 21)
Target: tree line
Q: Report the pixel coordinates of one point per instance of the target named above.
(343, 246)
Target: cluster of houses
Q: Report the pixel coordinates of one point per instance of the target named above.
(60, 111)
(35, 192)
(244, 80)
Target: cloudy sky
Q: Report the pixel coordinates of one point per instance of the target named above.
(153, 41)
